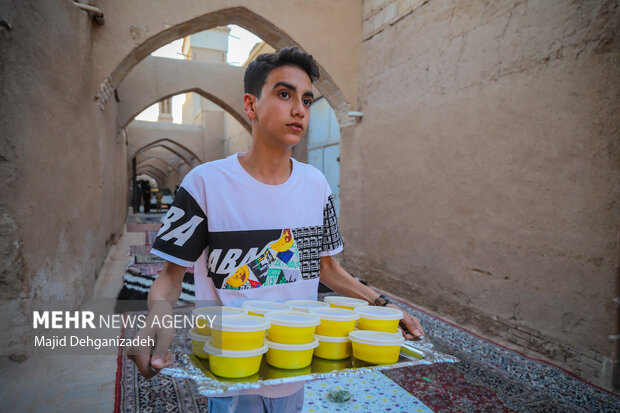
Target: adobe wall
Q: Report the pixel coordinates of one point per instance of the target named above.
(237, 138)
(487, 161)
(64, 179)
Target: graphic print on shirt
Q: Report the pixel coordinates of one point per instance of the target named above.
(277, 263)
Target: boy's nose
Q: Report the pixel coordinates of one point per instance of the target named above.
(298, 109)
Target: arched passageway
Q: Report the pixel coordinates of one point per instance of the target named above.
(186, 141)
(187, 155)
(157, 78)
(270, 33)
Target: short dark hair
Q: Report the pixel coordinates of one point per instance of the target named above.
(259, 69)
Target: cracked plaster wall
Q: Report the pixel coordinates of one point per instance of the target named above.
(63, 166)
(488, 162)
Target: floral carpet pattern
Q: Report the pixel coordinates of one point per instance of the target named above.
(492, 378)
(489, 378)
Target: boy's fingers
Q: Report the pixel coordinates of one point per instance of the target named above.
(405, 334)
(160, 361)
(164, 338)
(142, 363)
(161, 356)
(414, 328)
(412, 325)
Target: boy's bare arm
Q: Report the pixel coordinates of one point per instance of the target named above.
(163, 295)
(339, 280)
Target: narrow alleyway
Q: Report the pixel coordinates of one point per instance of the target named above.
(489, 377)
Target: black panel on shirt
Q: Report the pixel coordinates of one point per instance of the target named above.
(331, 233)
(183, 233)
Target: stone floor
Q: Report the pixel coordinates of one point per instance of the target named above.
(69, 383)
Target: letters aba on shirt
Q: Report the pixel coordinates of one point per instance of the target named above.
(247, 239)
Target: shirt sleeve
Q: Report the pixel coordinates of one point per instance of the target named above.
(332, 242)
(183, 235)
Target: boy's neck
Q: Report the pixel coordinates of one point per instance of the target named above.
(271, 166)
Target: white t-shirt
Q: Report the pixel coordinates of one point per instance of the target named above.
(247, 239)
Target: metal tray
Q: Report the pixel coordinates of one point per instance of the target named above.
(188, 366)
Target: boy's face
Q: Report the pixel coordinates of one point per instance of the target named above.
(280, 116)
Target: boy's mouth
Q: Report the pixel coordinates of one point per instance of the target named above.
(297, 126)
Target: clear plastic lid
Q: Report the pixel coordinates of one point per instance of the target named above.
(305, 305)
(345, 301)
(211, 350)
(292, 347)
(241, 323)
(379, 313)
(330, 339)
(293, 319)
(218, 310)
(335, 314)
(378, 338)
(263, 307)
(195, 336)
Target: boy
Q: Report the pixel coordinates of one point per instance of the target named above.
(256, 225)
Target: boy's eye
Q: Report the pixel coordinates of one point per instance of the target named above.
(307, 102)
(284, 94)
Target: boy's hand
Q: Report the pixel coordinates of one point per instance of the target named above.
(150, 360)
(409, 325)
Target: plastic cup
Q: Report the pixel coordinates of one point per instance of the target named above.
(335, 322)
(290, 356)
(260, 308)
(292, 327)
(306, 305)
(234, 363)
(198, 343)
(333, 348)
(242, 332)
(376, 347)
(348, 303)
(208, 313)
(379, 318)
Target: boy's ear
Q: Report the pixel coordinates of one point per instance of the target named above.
(249, 105)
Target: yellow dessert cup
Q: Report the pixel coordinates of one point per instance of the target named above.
(335, 322)
(198, 343)
(234, 364)
(376, 347)
(243, 332)
(204, 315)
(292, 327)
(348, 303)
(306, 305)
(333, 348)
(379, 318)
(259, 308)
(290, 356)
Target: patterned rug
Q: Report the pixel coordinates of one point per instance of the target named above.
(492, 378)
(489, 378)
(150, 237)
(139, 249)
